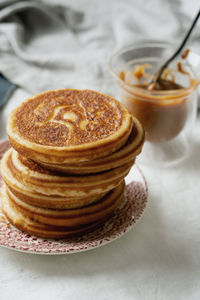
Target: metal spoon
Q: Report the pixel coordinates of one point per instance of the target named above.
(157, 77)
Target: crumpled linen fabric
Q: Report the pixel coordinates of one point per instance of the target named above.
(58, 44)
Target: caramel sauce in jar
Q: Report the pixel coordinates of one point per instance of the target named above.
(163, 109)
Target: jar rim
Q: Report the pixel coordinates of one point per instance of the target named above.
(155, 93)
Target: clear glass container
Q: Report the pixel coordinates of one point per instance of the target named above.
(168, 116)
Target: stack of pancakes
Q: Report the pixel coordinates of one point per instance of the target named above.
(71, 150)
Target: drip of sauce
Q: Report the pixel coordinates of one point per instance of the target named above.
(181, 70)
(185, 54)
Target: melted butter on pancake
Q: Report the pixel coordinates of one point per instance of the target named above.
(68, 117)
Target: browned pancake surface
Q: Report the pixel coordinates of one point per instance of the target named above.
(68, 117)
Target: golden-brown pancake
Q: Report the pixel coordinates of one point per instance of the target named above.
(122, 156)
(41, 200)
(30, 226)
(49, 201)
(67, 126)
(71, 217)
(47, 182)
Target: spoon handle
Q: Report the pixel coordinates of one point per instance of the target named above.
(180, 47)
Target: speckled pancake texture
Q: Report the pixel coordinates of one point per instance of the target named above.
(69, 126)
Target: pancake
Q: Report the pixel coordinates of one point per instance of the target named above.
(71, 217)
(124, 155)
(32, 227)
(69, 126)
(47, 182)
(41, 200)
(48, 201)
(16, 218)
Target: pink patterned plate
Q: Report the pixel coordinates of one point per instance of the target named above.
(123, 220)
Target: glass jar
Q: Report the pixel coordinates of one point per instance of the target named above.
(168, 116)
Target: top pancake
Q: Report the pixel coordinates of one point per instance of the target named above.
(69, 126)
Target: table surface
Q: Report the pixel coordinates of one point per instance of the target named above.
(158, 259)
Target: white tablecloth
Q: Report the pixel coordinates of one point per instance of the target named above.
(158, 259)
